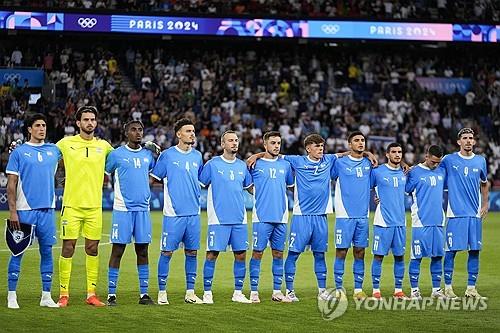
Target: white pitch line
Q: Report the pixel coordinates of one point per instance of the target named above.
(58, 247)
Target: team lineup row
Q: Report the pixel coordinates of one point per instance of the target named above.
(267, 176)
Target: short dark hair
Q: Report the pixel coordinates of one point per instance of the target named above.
(182, 122)
(313, 139)
(226, 132)
(37, 116)
(465, 130)
(85, 108)
(133, 121)
(353, 134)
(393, 145)
(270, 134)
(435, 150)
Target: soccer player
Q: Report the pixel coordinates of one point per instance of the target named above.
(179, 168)
(130, 166)
(389, 225)
(426, 185)
(468, 191)
(84, 158)
(31, 197)
(352, 198)
(226, 177)
(271, 175)
(312, 201)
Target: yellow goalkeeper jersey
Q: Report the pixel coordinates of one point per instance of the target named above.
(84, 162)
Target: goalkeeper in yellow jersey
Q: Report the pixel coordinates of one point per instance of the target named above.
(84, 159)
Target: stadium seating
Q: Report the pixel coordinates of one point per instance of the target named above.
(381, 9)
(327, 90)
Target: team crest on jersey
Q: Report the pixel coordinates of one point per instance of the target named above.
(475, 170)
(98, 150)
(146, 160)
(195, 164)
(282, 171)
(240, 173)
(19, 240)
(440, 177)
(49, 153)
(367, 168)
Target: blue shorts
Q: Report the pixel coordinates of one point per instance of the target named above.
(185, 229)
(220, 236)
(124, 225)
(464, 233)
(274, 233)
(44, 222)
(308, 230)
(427, 242)
(351, 232)
(387, 239)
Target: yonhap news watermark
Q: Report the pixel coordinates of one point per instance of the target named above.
(334, 307)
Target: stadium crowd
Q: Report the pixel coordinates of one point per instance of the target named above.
(472, 10)
(296, 91)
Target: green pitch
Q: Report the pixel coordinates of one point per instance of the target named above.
(226, 316)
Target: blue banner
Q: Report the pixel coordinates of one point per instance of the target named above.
(444, 85)
(157, 200)
(35, 77)
(249, 27)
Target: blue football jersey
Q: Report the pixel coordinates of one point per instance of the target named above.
(389, 184)
(35, 165)
(130, 169)
(352, 187)
(180, 173)
(426, 187)
(226, 181)
(271, 178)
(464, 175)
(313, 192)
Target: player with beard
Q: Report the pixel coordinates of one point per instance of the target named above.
(468, 190)
(130, 166)
(352, 198)
(84, 158)
(226, 177)
(179, 168)
(389, 225)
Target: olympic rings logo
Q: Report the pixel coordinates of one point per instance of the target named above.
(11, 77)
(86, 22)
(330, 29)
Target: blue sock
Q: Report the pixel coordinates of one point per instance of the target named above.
(399, 271)
(163, 268)
(436, 271)
(358, 269)
(239, 271)
(414, 271)
(320, 268)
(14, 271)
(449, 265)
(190, 267)
(472, 267)
(46, 266)
(208, 274)
(143, 272)
(277, 273)
(338, 272)
(254, 273)
(290, 267)
(376, 273)
(112, 279)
